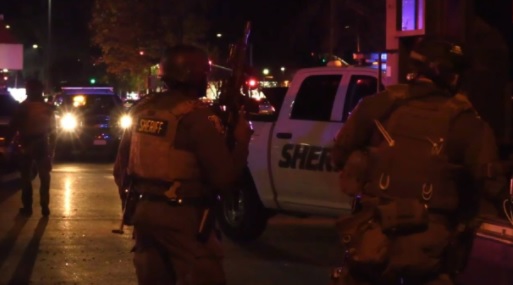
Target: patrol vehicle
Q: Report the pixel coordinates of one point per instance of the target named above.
(289, 166)
(89, 119)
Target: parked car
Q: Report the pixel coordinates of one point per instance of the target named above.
(7, 107)
(89, 119)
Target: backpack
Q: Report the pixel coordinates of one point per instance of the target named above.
(410, 160)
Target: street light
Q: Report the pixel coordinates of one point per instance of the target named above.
(282, 69)
(7, 26)
(219, 35)
(265, 71)
(35, 46)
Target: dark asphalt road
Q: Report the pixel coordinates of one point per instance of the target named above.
(75, 244)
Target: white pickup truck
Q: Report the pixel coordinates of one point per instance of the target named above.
(289, 169)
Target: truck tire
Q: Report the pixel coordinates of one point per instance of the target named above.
(242, 216)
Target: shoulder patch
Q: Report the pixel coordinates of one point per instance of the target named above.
(217, 123)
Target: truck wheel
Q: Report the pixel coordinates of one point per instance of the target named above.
(242, 216)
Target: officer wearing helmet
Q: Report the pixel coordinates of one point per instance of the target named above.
(422, 157)
(178, 161)
(34, 135)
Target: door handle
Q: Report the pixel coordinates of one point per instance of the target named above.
(284, 135)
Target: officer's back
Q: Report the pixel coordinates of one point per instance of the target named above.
(426, 151)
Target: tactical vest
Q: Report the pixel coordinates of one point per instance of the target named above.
(152, 151)
(411, 160)
(38, 119)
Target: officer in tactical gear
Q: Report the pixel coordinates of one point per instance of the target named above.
(416, 157)
(176, 155)
(33, 139)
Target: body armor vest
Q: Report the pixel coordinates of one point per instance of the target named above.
(152, 151)
(411, 160)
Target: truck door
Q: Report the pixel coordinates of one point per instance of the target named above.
(302, 163)
(300, 160)
(359, 86)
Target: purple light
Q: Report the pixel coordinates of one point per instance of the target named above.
(408, 15)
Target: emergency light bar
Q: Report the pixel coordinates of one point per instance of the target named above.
(87, 90)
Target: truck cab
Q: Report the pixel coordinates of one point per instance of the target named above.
(289, 165)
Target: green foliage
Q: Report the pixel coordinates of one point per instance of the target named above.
(124, 28)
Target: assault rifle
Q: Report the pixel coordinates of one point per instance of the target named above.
(129, 202)
(231, 97)
(228, 106)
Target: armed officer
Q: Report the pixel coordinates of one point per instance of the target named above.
(176, 156)
(422, 157)
(33, 128)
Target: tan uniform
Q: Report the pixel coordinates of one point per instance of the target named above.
(34, 121)
(470, 143)
(167, 249)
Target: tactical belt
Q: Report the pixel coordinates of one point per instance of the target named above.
(152, 182)
(200, 202)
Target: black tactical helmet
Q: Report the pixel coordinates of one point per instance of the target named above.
(184, 65)
(438, 60)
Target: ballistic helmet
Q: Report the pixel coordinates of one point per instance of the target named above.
(438, 60)
(184, 65)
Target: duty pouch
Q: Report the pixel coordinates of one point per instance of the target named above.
(403, 216)
(352, 177)
(366, 246)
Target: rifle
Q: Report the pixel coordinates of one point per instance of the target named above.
(230, 95)
(129, 203)
(228, 106)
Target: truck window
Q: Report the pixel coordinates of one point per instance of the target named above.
(314, 100)
(359, 87)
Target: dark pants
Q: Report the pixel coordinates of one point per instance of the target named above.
(35, 158)
(167, 250)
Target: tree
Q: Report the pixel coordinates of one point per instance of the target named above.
(133, 33)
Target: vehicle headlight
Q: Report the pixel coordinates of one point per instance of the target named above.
(125, 121)
(69, 122)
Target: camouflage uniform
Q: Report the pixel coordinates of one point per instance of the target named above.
(470, 143)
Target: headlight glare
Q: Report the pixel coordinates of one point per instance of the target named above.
(69, 122)
(125, 121)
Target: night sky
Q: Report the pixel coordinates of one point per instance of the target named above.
(271, 20)
(283, 31)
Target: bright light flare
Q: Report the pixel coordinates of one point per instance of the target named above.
(79, 101)
(69, 122)
(125, 121)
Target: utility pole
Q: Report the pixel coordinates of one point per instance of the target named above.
(49, 48)
(332, 27)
